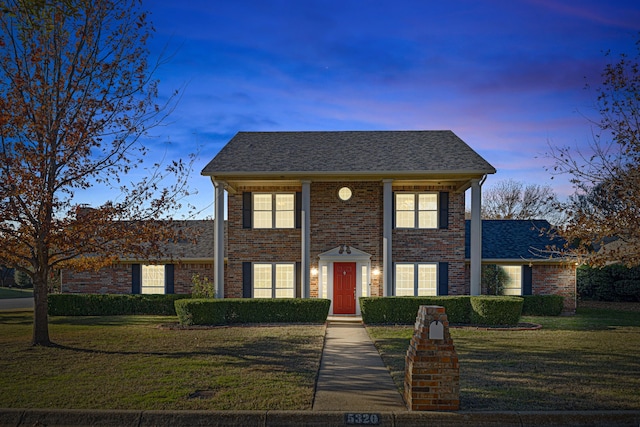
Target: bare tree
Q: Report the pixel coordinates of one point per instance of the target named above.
(510, 199)
(76, 98)
(606, 177)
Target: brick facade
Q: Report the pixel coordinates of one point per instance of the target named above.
(436, 245)
(255, 245)
(356, 222)
(557, 279)
(116, 279)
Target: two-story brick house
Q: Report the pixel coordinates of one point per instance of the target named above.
(345, 214)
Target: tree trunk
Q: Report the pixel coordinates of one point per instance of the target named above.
(40, 312)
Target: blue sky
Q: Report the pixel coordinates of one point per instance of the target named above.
(508, 77)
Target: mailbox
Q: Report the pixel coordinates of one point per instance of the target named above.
(436, 330)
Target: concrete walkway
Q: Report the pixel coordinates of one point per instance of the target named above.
(352, 375)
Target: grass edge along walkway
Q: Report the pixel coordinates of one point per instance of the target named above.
(137, 365)
(581, 362)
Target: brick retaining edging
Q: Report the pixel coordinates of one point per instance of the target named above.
(60, 417)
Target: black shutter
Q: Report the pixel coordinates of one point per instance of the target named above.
(298, 203)
(443, 278)
(168, 279)
(393, 211)
(443, 205)
(298, 293)
(246, 279)
(247, 210)
(136, 277)
(392, 289)
(527, 280)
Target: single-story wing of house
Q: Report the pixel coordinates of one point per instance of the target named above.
(529, 253)
(170, 274)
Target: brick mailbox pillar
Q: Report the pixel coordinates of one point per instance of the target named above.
(432, 372)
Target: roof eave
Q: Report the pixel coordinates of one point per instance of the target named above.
(432, 174)
(538, 261)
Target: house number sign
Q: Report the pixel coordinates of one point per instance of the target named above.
(362, 419)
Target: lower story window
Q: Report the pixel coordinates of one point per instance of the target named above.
(513, 284)
(273, 280)
(416, 279)
(152, 280)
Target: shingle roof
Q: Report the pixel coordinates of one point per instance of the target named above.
(271, 153)
(514, 239)
(196, 242)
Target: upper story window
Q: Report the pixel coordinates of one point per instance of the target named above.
(274, 210)
(416, 210)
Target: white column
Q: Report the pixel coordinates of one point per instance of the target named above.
(387, 229)
(218, 238)
(476, 238)
(306, 239)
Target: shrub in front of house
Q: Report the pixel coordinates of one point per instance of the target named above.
(478, 310)
(403, 310)
(202, 287)
(495, 310)
(609, 283)
(112, 305)
(244, 310)
(542, 305)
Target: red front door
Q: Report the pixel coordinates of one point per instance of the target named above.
(344, 288)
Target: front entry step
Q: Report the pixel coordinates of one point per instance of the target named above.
(344, 319)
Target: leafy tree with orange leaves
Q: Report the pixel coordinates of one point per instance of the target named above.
(77, 96)
(603, 216)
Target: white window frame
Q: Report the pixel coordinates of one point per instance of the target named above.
(416, 211)
(276, 286)
(419, 286)
(276, 219)
(152, 279)
(513, 284)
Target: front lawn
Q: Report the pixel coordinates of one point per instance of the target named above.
(583, 362)
(128, 362)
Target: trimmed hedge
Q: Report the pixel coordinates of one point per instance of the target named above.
(243, 310)
(464, 309)
(495, 310)
(403, 310)
(542, 305)
(112, 305)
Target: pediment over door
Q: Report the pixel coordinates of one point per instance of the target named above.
(346, 253)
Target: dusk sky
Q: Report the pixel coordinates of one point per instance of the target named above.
(508, 77)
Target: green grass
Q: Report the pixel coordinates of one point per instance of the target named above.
(128, 362)
(6, 293)
(582, 362)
